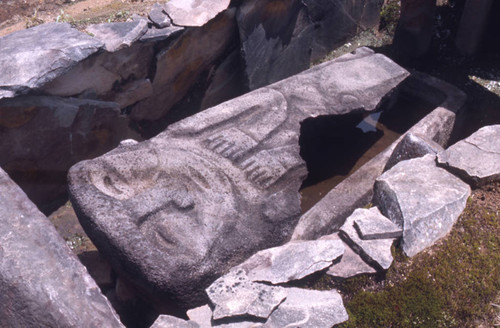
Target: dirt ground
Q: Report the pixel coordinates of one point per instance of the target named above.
(16, 15)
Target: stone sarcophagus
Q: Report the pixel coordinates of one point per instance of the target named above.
(175, 212)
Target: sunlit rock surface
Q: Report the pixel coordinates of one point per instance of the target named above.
(175, 212)
(42, 283)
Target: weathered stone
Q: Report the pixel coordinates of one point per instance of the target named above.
(154, 34)
(472, 24)
(415, 27)
(103, 73)
(158, 17)
(231, 172)
(194, 12)
(350, 265)
(168, 321)
(412, 146)
(228, 82)
(132, 92)
(309, 309)
(203, 317)
(292, 261)
(377, 252)
(42, 283)
(475, 159)
(357, 190)
(32, 57)
(117, 36)
(423, 199)
(376, 226)
(276, 39)
(235, 295)
(179, 66)
(335, 21)
(43, 136)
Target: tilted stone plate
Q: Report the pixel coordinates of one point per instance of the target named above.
(175, 212)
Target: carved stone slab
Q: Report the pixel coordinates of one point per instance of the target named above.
(42, 283)
(176, 212)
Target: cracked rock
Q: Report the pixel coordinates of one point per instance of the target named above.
(376, 251)
(117, 36)
(306, 308)
(158, 17)
(476, 159)
(423, 199)
(350, 264)
(235, 295)
(292, 261)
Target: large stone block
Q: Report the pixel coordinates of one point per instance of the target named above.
(42, 283)
(43, 136)
(475, 159)
(32, 57)
(175, 212)
(421, 198)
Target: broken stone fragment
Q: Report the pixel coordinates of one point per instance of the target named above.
(42, 283)
(350, 264)
(203, 317)
(308, 308)
(475, 159)
(158, 34)
(194, 12)
(235, 295)
(158, 17)
(422, 199)
(117, 36)
(292, 261)
(412, 146)
(32, 57)
(168, 321)
(376, 226)
(377, 252)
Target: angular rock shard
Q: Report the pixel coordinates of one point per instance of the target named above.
(42, 283)
(194, 12)
(117, 36)
(292, 261)
(235, 295)
(412, 146)
(168, 321)
(421, 198)
(309, 308)
(376, 226)
(350, 265)
(203, 317)
(159, 18)
(212, 189)
(377, 251)
(32, 57)
(475, 159)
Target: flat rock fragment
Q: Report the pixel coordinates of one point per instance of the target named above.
(376, 251)
(292, 261)
(158, 34)
(412, 146)
(423, 199)
(158, 17)
(194, 12)
(350, 264)
(203, 317)
(120, 35)
(168, 321)
(309, 309)
(42, 283)
(477, 158)
(213, 189)
(235, 295)
(376, 226)
(32, 57)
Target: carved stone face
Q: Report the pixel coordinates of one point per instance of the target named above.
(170, 197)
